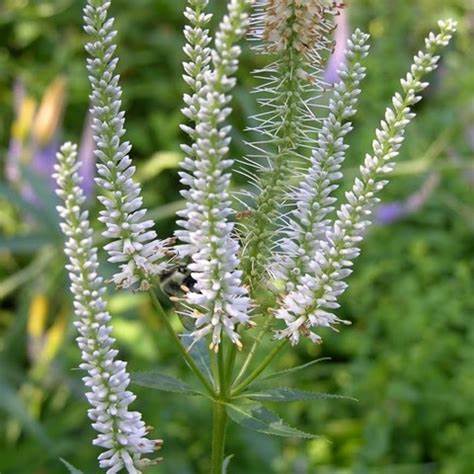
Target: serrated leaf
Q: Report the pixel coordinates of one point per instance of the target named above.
(258, 418)
(286, 394)
(165, 383)
(282, 373)
(70, 467)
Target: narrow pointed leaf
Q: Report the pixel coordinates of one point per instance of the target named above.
(258, 418)
(286, 394)
(225, 464)
(14, 197)
(282, 373)
(45, 195)
(199, 352)
(20, 244)
(71, 469)
(11, 405)
(165, 383)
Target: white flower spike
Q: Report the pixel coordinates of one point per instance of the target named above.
(134, 244)
(218, 301)
(312, 302)
(122, 433)
(313, 200)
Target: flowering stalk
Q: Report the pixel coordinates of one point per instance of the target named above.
(297, 35)
(122, 433)
(196, 67)
(308, 222)
(218, 301)
(134, 244)
(312, 302)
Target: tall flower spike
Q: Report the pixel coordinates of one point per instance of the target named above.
(312, 302)
(296, 35)
(195, 68)
(308, 223)
(122, 433)
(218, 301)
(134, 244)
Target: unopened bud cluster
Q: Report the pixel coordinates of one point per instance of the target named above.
(301, 22)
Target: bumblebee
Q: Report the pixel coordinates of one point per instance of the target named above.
(177, 281)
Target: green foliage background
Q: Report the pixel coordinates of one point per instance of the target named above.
(408, 357)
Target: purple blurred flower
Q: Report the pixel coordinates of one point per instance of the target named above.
(390, 212)
(338, 57)
(35, 139)
(394, 211)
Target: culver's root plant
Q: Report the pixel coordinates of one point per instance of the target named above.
(269, 262)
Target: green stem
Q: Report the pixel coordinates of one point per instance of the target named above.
(253, 350)
(219, 426)
(259, 369)
(192, 365)
(221, 370)
(229, 368)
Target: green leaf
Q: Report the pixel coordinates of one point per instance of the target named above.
(199, 350)
(165, 383)
(159, 162)
(285, 372)
(258, 418)
(225, 464)
(45, 194)
(13, 406)
(286, 394)
(25, 243)
(70, 467)
(167, 211)
(14, 197)
(35, 268)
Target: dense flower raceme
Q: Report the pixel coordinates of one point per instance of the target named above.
(122, 433)
(134, 244)
(312, 302)
(308, 222)
(296, 38)
(218, 301)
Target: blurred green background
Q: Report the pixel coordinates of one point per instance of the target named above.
(408, 357)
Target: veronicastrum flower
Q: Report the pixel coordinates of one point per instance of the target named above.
(312, 302)
(134, 244)
(218, 301)
(196, 67)
(308, 222)
(122, 433)
(296, 36)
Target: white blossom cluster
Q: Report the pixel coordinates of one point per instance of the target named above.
(218, 302)
(313, 201)
(134, 244)
(312, 303)
(195, 69)
(287, 122)
(122, 433)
